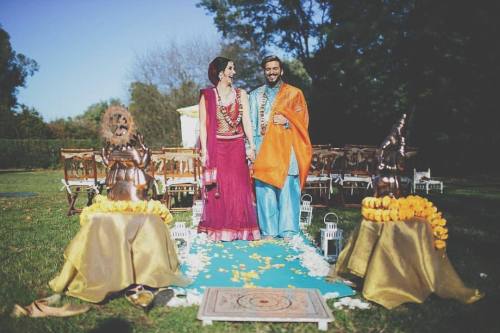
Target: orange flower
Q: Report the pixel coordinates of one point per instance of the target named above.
(439, 244)
(386, 201)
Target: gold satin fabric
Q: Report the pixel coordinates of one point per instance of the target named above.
(399, 264)
(113, 251)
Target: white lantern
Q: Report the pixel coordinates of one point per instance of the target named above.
(305, 216)
(331, 233)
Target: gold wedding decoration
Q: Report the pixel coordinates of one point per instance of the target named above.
(387, 208)
(117, 126)
(104, 205)
(399, 250)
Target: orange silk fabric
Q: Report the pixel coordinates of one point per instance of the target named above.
(273, 160)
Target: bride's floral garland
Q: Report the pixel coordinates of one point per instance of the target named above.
(391, 209)
(103, 205)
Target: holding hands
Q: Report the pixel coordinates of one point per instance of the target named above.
(251, 153)
(279, 119)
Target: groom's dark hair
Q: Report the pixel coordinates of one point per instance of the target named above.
(270, 58)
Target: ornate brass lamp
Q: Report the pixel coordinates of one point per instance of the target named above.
(390, 160)
(125, 155)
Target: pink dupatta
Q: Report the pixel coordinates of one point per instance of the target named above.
(211, 120)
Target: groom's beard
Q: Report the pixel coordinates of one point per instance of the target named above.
(273, 80)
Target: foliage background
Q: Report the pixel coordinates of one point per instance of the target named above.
(361, 64)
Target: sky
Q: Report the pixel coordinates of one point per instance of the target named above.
(86, 49)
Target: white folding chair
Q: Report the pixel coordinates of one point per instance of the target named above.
(422, 181)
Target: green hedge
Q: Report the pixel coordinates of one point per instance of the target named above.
(37, 153)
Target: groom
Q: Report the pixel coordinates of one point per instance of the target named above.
(280, 126)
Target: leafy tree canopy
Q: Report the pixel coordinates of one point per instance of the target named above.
(369, 61)
(15, 68)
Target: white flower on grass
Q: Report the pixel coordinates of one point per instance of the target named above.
(198, 260)
(331, 295)
(193, 297)
(309, 257)
(351, 303)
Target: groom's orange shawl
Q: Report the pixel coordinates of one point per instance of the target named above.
(273, 160)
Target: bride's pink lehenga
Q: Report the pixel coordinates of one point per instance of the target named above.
(229, 212)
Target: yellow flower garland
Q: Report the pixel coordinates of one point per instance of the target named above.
(103, 205)
(391, 209)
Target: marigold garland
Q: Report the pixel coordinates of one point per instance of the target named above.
(391, 209)
(103, 205)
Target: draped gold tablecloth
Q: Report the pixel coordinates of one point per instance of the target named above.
(399, 264)
(115, 250)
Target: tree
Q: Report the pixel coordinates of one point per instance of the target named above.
(370, 61)
(297, 27)
(168, 78)
(30, 124)
(155, 115)
(84, 126)
(91, 118)
(168, 67)
(15, 68)
(175, 64)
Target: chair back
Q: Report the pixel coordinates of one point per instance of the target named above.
(102, 170)
(181, 164)
(360, 159)
(79, 164)
(419, 176)
(156, 165)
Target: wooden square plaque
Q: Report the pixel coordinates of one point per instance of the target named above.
(264, 304)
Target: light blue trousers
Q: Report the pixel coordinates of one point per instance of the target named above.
(278, 209)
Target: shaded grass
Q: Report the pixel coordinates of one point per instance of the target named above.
(34, 232)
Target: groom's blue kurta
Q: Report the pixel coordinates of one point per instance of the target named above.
(278, 209)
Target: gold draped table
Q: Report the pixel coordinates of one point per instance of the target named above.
(113, 251)
(399, 264)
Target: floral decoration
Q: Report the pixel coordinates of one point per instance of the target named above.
(103, 205)
(387, 209)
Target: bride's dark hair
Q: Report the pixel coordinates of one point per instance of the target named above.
(216, 66)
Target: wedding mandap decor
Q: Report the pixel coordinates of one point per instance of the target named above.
(124, 243)
(399, 248)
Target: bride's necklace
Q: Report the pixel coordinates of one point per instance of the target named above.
(225, 110)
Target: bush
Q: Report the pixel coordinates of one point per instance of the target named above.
(38, 153)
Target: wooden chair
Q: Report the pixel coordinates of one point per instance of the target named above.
(155, 170)
(182, 171)
(80, 175)
(359, 162)
(318, 180)
(102, 170)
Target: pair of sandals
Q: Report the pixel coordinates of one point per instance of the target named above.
(144, 298)
(44, 308)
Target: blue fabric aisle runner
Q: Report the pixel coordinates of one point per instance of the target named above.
(244, 264)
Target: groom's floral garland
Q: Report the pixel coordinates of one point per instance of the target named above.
(103, 205)
(391, 209)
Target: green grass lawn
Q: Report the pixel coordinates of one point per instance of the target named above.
(34, 232)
